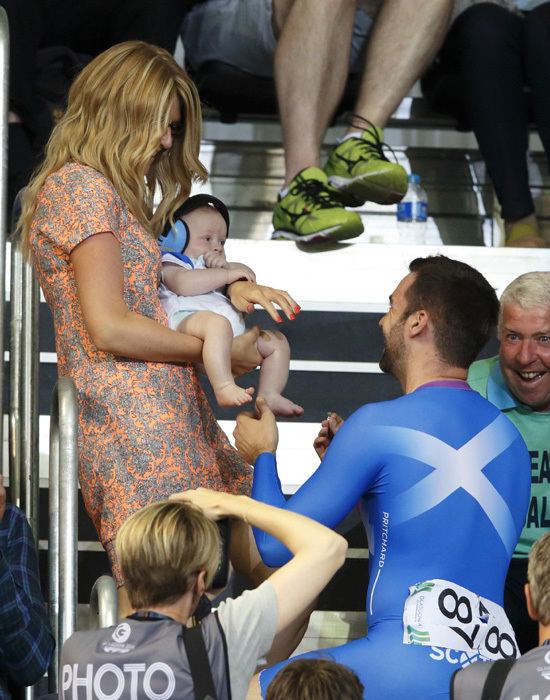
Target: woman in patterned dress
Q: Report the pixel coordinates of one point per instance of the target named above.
(132, 124)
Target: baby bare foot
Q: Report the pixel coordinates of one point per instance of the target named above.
(230, 394)
(281, 406)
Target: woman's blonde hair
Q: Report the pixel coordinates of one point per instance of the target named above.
(162, 547)
(117, 112)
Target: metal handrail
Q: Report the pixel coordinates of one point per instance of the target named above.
(63, 540)
(103, 603)
(24, 362)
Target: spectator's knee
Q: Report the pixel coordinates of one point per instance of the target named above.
(483, 29)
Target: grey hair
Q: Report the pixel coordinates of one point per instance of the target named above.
(529, 291)
(538, 576)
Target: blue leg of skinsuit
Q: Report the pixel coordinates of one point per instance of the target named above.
(383, 664)
(443, 479)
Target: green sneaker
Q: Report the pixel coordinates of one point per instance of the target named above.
(310, 212)
(359, 170)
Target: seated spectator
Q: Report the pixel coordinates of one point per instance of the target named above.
(315, 679)
(26, 640)
(526, 677)
(169, 553)
(307, 47)
(518, 383)
(492, 52)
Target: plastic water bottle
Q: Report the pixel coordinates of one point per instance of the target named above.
(412, 212)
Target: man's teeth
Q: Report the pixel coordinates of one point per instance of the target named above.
(530, 375)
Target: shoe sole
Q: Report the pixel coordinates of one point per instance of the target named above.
(354, 192)
(330, 234)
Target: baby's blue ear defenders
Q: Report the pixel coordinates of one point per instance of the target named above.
(174, 238)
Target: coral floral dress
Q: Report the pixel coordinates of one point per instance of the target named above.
(146, 428)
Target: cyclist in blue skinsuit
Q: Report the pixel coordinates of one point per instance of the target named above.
(442, 479)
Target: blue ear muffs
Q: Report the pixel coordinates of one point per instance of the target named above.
(174, 238)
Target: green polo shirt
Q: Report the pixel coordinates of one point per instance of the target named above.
(486, 378)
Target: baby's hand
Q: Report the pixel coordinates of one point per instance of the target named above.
(247, 272)
(237, 273)
(213, 259)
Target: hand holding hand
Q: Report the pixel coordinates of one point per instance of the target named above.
(329, 427)
(247, 272)
(214, 259)
(236, 274)
(256, 434)
(244, 295)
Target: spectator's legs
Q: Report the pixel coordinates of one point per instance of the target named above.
(537, 66)
(311, 65)
(311, 68)
(405, 38)
(488, 43)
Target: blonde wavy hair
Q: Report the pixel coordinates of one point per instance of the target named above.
(117, 112)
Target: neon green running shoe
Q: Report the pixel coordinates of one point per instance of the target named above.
(310, 212)
(360, 171)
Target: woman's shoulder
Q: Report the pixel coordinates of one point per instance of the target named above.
(76, 182)
(77, 174)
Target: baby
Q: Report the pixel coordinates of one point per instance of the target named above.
(195, 274)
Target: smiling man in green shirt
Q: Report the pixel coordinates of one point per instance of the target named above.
(518, 382)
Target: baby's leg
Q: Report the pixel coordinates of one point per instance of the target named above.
(273, 347)
(217, 335)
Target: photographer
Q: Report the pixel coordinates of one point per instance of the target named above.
(169, 552)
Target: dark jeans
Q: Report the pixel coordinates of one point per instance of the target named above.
(527, 634)
(493, 56)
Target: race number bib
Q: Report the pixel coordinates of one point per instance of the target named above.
(440, 613)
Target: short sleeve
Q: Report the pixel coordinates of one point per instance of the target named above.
(249, 623)
(75, 203)
(182, 261)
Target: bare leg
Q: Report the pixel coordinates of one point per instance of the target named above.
(273, 347)
(311, 68)
(215, 330)
(405, 38)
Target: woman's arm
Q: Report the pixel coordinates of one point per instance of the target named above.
(314, 547)
(188, 283)
(113, 328)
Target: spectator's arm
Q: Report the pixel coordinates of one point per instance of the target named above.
(26, 640)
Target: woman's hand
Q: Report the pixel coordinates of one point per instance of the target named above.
(254, 435)
(244, 352)
(329, 427)
(244, 295)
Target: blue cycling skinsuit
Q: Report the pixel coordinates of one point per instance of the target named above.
(442, 479)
